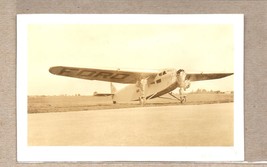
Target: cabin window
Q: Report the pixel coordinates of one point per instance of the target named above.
(162, 73)
(152, 83)
(158, 81)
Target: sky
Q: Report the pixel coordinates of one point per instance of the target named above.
(192, 47)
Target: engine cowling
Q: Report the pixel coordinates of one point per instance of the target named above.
(181, 79)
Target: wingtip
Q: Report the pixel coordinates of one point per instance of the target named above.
(51, 70)
(54, 70)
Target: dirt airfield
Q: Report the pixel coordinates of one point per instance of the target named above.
(205, 120)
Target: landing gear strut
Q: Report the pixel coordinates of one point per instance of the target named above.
(142, 100)
(142, 86)
(182, 97)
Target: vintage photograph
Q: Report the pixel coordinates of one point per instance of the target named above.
(164, 83)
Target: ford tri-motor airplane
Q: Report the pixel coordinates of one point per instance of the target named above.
(142, 85)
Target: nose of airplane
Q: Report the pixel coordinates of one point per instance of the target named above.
(179, 72)
(180, 77)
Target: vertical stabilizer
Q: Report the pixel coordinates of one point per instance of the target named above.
(112, 88)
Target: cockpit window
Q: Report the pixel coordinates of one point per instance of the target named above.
(162, 73)
(179, 71)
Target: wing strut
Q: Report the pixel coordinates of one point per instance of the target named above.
(150, 97)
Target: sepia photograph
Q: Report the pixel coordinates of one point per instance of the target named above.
(130, 87)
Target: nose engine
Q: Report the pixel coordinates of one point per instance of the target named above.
(180, 72)
(181, 79)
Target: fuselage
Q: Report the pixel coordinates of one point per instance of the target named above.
(165, 82)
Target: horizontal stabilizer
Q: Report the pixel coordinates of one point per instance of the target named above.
(103, 94)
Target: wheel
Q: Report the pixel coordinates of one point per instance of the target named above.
(114, 102)
(142, 101)
(182, 99)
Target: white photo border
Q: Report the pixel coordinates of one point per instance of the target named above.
(27, 153)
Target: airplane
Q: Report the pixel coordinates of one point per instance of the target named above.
(143, 85)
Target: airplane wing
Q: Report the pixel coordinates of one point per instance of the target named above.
(201, 76)
(118, 76)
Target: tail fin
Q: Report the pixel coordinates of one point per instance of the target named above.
(112, 88)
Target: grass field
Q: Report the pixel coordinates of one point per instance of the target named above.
(43, 104)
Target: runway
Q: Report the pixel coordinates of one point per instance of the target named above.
(181, 125)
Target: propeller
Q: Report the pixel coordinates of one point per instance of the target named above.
(182, 83)
(180, 75)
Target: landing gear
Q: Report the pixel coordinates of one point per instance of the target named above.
(142, 101)
(113, 100)
(182, 99)
(142, 86)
